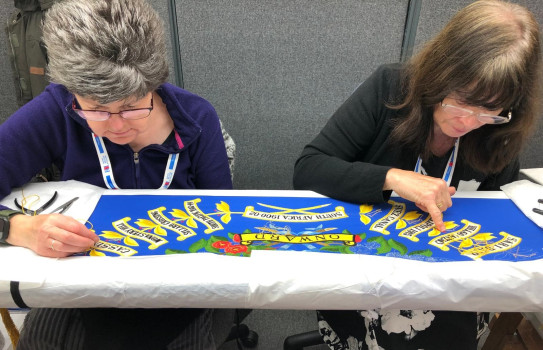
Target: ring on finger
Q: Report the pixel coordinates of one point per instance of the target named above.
(439, 205)
(52, 244)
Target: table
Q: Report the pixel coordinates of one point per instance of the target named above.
(275, 279)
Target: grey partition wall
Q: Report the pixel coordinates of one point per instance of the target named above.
(434, 15)
(276, 70)
(163, 9)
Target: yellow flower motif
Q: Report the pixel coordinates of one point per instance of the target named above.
(180, 214)
(117, 236)
(226, 218)
(94, 252)
(224, 208)
(448, 225)
(412, 215)
(402, 223)
(466, 243)
(485, 237)
(160, 231)
(112, 235)
(364, 209)
(130, 241)
(434, 232)
(146, 223)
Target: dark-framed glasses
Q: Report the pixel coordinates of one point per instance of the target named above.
(100, 116)
(459, 112)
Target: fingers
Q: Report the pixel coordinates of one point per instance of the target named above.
(70, 232)
(430, 194)
(437, 218)
(60, 236)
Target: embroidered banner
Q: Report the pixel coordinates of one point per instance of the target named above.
(238, 225)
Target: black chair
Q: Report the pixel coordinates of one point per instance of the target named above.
(235, 329)
(301, 340)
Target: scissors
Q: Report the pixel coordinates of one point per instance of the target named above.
(65, 206)
(61, 209)
(537, 210)
(40, 209)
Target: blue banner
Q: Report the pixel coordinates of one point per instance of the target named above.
(477, 228)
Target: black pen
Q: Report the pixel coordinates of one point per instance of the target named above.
(540, 201)
(539, 211)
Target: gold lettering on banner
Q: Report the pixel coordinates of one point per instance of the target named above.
(395, 213)
(412, 232)
(123, 227)
(507, 242)
(157, 216)
(192, 208)
(249, 238)
(339, 213)
(114, 248)
(442, 242)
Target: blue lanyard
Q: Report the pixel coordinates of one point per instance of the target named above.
(107, 171)
(451, 163)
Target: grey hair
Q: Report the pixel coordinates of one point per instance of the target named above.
(106, 50)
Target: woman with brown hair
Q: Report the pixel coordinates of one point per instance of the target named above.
(455, 117)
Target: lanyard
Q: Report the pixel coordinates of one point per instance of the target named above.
(451, 163)
(107, 171)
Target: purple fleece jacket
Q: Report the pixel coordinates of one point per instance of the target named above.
(46, 130)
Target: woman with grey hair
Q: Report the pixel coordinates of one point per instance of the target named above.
(454, 117)
(108, 119)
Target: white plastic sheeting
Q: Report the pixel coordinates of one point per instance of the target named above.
(271, 280)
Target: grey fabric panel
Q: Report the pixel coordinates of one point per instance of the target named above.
(161, 6)
(435, 14)
(8, 100)
(532, 156)
(276, 70)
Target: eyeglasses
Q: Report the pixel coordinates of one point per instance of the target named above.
(459, 112)
(100, 116)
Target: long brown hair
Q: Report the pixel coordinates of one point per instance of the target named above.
(489, 54)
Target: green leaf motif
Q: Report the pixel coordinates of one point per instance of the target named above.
(398, 246)
(333, 249)
(425, 252)
(384, 247)
(214, 239)
(346, 250)
(343, 249)
(210, 248)
(196, 246)
(260, 247)
(175, 251)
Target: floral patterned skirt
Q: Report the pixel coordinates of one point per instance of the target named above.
(401, 329)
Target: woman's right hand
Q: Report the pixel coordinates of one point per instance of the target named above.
(430, 194)
(51, 235)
